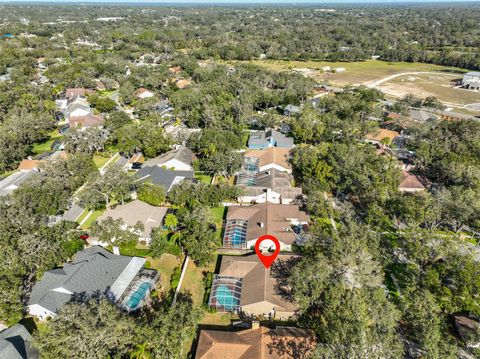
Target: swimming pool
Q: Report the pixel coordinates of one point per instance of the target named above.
(225, 298)
(137, 296)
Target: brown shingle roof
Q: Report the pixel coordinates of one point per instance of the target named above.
(274, 218)
(76, 92)
(86, 121)
(275, 155)
(381, 134)
(259, 343)
(410, 182)
(26, 165)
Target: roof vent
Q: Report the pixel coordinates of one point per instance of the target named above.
(261, 224)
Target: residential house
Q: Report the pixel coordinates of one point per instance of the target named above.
(244, 284)
(15, 344)
(28, 164)
(86, 121)
(410, 183)
(76, 108)
(73, 93)
(291, 110)
(93, 272)
(382, 136)
(422, 116)
(256, 343)
(245, 224)
(137, 212)
(269, 138)
(163, 177)
(178, 159)
(12, 182)
(143, 93)
(271, 186)
(270, 158)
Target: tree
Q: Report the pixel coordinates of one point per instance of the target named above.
(171, 221)
(151, 194)
(114, 231)
(198, 235)
(89, 140)
(101, 331)
(159, 242)
(114, 184)
(116, 120)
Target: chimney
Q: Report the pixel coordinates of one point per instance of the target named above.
(255, 324)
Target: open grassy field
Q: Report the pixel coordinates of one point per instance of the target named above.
(165, 266)
(355, 73)
(425, 85)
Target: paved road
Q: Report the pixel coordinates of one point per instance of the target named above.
(73, 213)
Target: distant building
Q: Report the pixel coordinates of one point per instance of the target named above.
(15, 344)
(381, 135)
(269, 138)
(410, 183)
(143, 93)
(471, 80)
(94, 272)
(291, 110)
(339, 69)
(72, 93)
(256, 343)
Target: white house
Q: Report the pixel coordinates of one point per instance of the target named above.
(144, 93)
(471, 80)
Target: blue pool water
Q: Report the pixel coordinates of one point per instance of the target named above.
(225, 298)
(138, 295)
(237, 237)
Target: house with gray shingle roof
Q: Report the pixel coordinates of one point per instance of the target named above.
(94, 272)
(163, 177)
(179, 159)
(269, 138)
(15, 344)
(12, 182)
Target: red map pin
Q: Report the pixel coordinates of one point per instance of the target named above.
(267, 260)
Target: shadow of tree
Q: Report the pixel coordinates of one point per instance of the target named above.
(281, 270)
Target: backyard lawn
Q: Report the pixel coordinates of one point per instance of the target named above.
(101, 159)
(202, 177)
(219, 214)
(193, 280)
(47, 145)
(165, 266)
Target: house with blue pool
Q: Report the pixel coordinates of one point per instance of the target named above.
(243, 284)
(269, 138)
(93, 273)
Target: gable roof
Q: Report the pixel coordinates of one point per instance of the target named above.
(267, 218)
(14, 343)
(269, 136)
(182, 154)
(381, 134)
(272, 155)
(273, 179)
(162, 177)
(138, 211)
(93, 271)
(259, 284)
(76, 92)
(86, 121)
(410, 182)
(12, 182)
(76, 105)
(27, 164)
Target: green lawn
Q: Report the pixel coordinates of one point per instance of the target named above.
(82, 216)
(165, 266)
(39, 148)
(193, 280)
(88, 223)
(202, 177)
(219, 214)
(101, 159)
